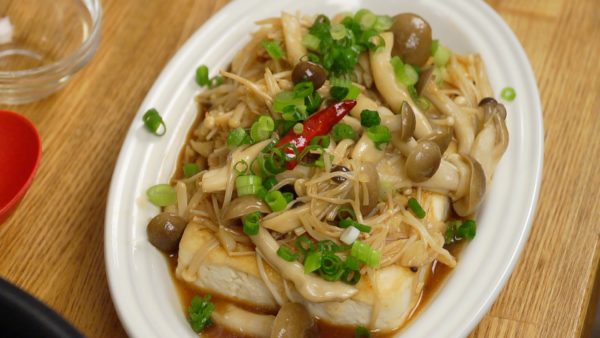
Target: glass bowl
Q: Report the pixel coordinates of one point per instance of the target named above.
(43, 43)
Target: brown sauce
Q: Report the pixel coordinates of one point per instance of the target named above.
(439, 273)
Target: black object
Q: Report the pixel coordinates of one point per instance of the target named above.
(21, 315)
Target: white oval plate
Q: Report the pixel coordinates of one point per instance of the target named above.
(140, 283)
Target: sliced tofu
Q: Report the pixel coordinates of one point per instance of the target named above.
(233, 277)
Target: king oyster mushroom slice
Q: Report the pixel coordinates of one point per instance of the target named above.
(392, 92)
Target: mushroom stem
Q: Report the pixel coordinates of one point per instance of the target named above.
(393, 93)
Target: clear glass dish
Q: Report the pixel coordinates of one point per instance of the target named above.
(43, 43)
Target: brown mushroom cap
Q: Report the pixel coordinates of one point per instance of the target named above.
(441, 137)
(408, 122)
(293, 321)
(490, 107)
(467, 204)
(165, 231)
(423, 161)
(425, 76)
(412, 38)
(369, 169)
(309, 71)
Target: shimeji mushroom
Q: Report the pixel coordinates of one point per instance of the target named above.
(393, 92)
(491, 142)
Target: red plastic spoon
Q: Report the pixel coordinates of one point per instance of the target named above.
(20, 152)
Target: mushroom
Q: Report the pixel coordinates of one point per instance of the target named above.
(393, 92)
(244, 205)
(370, 171)
(293, 321)
(309, 71)
(468, 203)
(464, 124)
(165, 231)
(441, 137)
(311, 287)
(292, 33)
(412, 38)
(423, 161)
(243, 322)
(403, 124)
(491, 142)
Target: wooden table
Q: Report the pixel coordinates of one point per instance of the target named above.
(53, 245)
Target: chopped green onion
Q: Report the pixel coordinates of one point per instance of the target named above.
(162, 195)
(348, 222)
(240, 167)
(303, 89)
(251, 223)
(312, 261)
(262, 128)
(352, 263)
(416, 208)
(405, 73)
(350, 276)
(272, 47)
(342, 131)
(305, 244)
(153, 121)
(383, 23)
(338, 93)
(321, 141)
(331, 267)
(441, 56)
(248, 184)
(365, 18)
(362, 332)
(467, 230)
(353, 92)
(369, 118)
(364, 253)
(261, 193)
(284, 99)
(450, 234)
(275, 200)
(294, 113)
(202, 76)
(288, 196)
(237, 137)
(379, 134)
(311, 42)
(338, 31)
(346, 212)
(508, 94)
(298, 128)
(286, 254)
(328, 246)
(269, 182)
(199, 313)
(274, 164)
(312, 102)
(215, 81)
(435, 44)
(190, 169)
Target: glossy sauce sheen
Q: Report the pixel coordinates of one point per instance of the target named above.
(439, 274)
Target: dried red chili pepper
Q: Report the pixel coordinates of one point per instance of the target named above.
(318, 124)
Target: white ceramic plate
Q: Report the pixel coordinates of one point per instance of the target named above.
(140, 283)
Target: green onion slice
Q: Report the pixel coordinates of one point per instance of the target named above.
(202, 76)
(379, 134)
(190, 169)
(364, 253)
(303, 89)
(269, 182)
(251, 223)
(162, 195)
(369, 118)
(273, 49)
(248, 184)
(416, 208)
(312, 261)
(237, 137)
(304, 244)
(286, 254)
(153, 122)
(343, 131)
(467, 230)
(275, 200)
(508, 94)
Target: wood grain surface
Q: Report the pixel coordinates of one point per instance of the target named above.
(53, 245)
